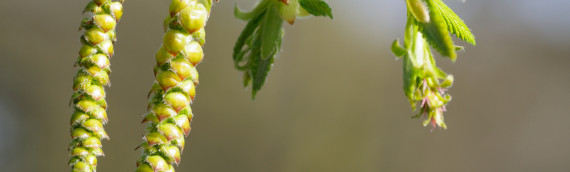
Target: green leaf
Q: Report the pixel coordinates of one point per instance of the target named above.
(316, 7)
(418, 10)
(245, 35)
(436, 34)
(257, 47)
(397, 49)
(256, 12)
(270, 33)
(410, 80)
(259, 68)
(454, 24)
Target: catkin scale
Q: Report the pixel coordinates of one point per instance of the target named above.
(88, 99)
(169, 114)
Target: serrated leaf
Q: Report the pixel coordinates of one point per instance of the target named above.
(245, 35)
(257, 46)
(259, 67)
(436, 34)
(270, 33)
(316, 7)
(454, 24)
(260, 71)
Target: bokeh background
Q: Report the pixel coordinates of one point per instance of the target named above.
(333, 102)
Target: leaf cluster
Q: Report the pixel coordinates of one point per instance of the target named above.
(260, 41)
(442, 22)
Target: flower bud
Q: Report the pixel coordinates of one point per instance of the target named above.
(157, 163)
(91, 142)
(78, 117)
(87, 50)
(97, 152)
(193, 17)
(100, 60)
(93, 125)
(112, 34)
(194, 75)
(162, 56)
(99, 75)
(163, 111)
(175, 40)
(116, 9)
(86, 105)
(100, 114)
(79, 133)
(177, 5)
(105, 21)
(181, 67)
(170, 131)
(95, 36)
(179, 142)
(91, 160)
(144, 168)
(102, 103)
(92, 8)
(81, 81)
(189, 88)
(81, 166)
(79, 151)
(150, 117)
(155, 138)
(95, 91)
(171, 153)
(167, 79)
(193, 52)
(176, 100)
(107, 47)
(182, 122)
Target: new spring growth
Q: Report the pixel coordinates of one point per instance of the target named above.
(88, 99)
(260, 41)
(169, 113)
(430, 23)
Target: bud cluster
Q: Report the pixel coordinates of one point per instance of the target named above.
(88, 99)
(169, 113)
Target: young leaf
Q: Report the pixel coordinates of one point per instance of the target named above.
(454, 24)
(418, 10)
(270, 33)
(260, 41)
(316, 7)
(246, 34)
(259, 8)
(397, 49)
(437, 35)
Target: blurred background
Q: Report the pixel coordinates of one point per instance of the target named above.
(333, 101)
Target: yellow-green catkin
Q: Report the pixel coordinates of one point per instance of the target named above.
(88, 100)
(169, 114)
